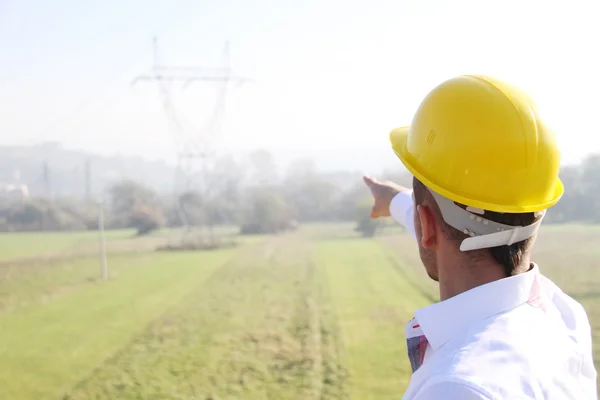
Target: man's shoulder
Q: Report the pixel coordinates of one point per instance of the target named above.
(572, 314)
(523, 350)
(528, 330)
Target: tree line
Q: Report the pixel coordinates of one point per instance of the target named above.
(259, 198)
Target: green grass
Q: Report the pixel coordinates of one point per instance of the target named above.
(373, 303)
(254, 330)
(17, 248)
(315, 314)
(48, 348)
(28, 245)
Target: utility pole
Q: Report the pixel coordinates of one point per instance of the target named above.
(47, 189)
(102, 241)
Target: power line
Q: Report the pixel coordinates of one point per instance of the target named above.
(94, 94)
(189, 146)
(119, 72)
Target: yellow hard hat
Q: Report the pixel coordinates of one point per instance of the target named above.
(480, 142)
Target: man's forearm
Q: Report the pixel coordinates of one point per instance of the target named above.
(402, 209)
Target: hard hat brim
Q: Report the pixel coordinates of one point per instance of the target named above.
(399, 142)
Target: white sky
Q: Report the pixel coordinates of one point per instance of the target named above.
(329, 75)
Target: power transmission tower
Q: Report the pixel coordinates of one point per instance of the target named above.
(189, 147)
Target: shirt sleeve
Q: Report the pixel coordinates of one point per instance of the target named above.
(451, 390)
(402, 209)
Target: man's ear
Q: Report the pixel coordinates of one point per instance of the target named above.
(428, 226)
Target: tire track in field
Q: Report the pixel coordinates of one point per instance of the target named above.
(308, 330)
(414, 282)
(316, 327)
(122, 375)
(257, 329)
(335, 372)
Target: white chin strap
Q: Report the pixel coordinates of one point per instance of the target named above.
(483, 232)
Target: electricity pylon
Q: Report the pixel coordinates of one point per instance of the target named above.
(190, 147)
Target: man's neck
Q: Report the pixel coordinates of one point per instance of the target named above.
(469, 274)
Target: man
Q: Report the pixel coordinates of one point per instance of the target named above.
(485, 170)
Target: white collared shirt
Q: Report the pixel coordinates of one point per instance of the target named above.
(517, 338)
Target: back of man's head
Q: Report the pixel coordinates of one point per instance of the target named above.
(509, 257)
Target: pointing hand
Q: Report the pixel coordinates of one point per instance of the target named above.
(383, 193)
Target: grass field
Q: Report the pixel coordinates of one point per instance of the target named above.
(314, 314)
(27, 245)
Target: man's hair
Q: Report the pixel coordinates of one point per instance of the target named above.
(509, 257)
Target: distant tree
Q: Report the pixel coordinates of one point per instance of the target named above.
(262, 168)
(126, 194)
(301, 169)
(224, 190)
(346, 207)
(581, 199)
(268, 213)
(247, 192)
(86, 213)
(193, 206)
(571, 206)
(364, 224)
(146, 219)
(590, 176)
(40, 215)
(136, 206)
(29, 214)
(312, 197)
(226, 179)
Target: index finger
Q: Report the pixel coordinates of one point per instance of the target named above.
(370, 182)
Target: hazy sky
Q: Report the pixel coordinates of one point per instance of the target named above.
(328, 74)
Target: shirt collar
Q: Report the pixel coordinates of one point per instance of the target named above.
(442, 321)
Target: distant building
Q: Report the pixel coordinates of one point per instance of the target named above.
(14, 191)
